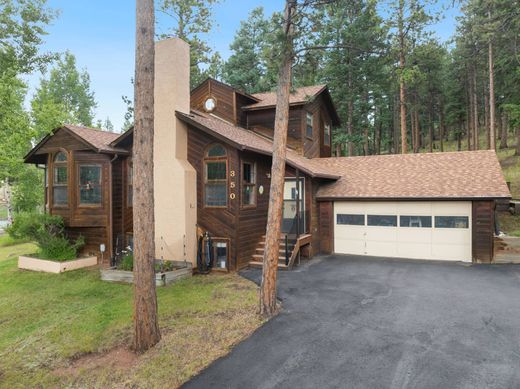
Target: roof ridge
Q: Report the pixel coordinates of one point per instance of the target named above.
(91, 128)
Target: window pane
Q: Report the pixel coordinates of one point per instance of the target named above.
(216, 171)
(217, 151)
(248, 173)
(415, 221)
(221, 252)
(60, 195)
(60, 175)
(248, 195)
(90, 185)
(451, 222)
(382, 220)
(309, 125)
(216, 194)
(60, 157)
(353, 220)
(326, 141)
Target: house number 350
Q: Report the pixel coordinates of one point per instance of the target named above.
(232, 185)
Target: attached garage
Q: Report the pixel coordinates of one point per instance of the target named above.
(438, 230)
(435, 206)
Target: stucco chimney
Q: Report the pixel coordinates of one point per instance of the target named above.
(174, 178)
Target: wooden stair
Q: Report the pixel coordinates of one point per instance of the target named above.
(294, 246)
(258, 256)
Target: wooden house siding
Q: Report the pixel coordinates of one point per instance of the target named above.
(223, 95)
(314, 147)
(483, 225)
(326, 226)
(117, 200)
(62, 140)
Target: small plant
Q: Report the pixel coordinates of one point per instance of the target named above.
(127, 262)
(48, 232)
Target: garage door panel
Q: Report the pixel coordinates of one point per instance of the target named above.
(408, 242)
(414, 250)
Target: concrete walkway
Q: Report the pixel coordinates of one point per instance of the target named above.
(352, 322)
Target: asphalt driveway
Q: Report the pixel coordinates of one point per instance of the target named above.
(352, 322)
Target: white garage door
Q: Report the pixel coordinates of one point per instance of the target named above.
(420, 230)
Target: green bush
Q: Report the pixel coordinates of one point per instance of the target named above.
(127, 262)
(48, 232)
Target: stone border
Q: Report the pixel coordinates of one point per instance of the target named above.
(161, 279)
(48, 266)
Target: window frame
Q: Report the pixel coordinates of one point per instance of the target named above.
(52, 182)
(368, 216)
(468, 222)
(348, 215)
(78, 185)
(415, 216)
(309, 115)
(205, 162)
(244, 184)
(327, 139)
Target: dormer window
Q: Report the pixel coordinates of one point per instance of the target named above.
(210, 104)
(308, 131)
(326, 135)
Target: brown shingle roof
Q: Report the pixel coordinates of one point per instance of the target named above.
(299, 96)
(98, 139)
(468, 174)
(248, 140)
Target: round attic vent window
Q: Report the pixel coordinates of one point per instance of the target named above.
(210, 104)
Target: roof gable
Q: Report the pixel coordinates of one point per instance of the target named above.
(94, 139)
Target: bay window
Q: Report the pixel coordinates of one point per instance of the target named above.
(89, 185)
(60, 180)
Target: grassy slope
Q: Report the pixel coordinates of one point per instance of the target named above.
(3, 212)
(47, 321)
(511, 169)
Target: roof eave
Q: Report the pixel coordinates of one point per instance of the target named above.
(408, 198)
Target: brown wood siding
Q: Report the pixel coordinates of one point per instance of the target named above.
(314, 148)
(219, 222)
(262, 121)
(224, 96)
(62, 140)
(253, 220)
(326, 227)
(94, 236)
(482, 230)
(128, 211)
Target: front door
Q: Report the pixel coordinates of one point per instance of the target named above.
(293, 222)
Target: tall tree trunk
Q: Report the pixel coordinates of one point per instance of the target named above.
(442, 125)
(492, 135)
(350, 113)
(486, 119)
(469, 124)
(274, 214)
(402, 92)
(379, 130)
(430, 130)
(413, 134)
(146, 327)
(503, 131)
(476, 143)
(418, 140)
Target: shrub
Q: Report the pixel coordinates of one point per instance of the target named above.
(127, 262)
(48, 232)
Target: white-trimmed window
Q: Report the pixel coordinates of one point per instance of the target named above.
(90, 190)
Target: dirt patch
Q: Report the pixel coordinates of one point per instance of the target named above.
(117, 358)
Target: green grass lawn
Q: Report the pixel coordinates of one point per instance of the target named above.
(73, 330)
(3, 212)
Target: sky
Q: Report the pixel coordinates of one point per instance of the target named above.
(101, 34)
